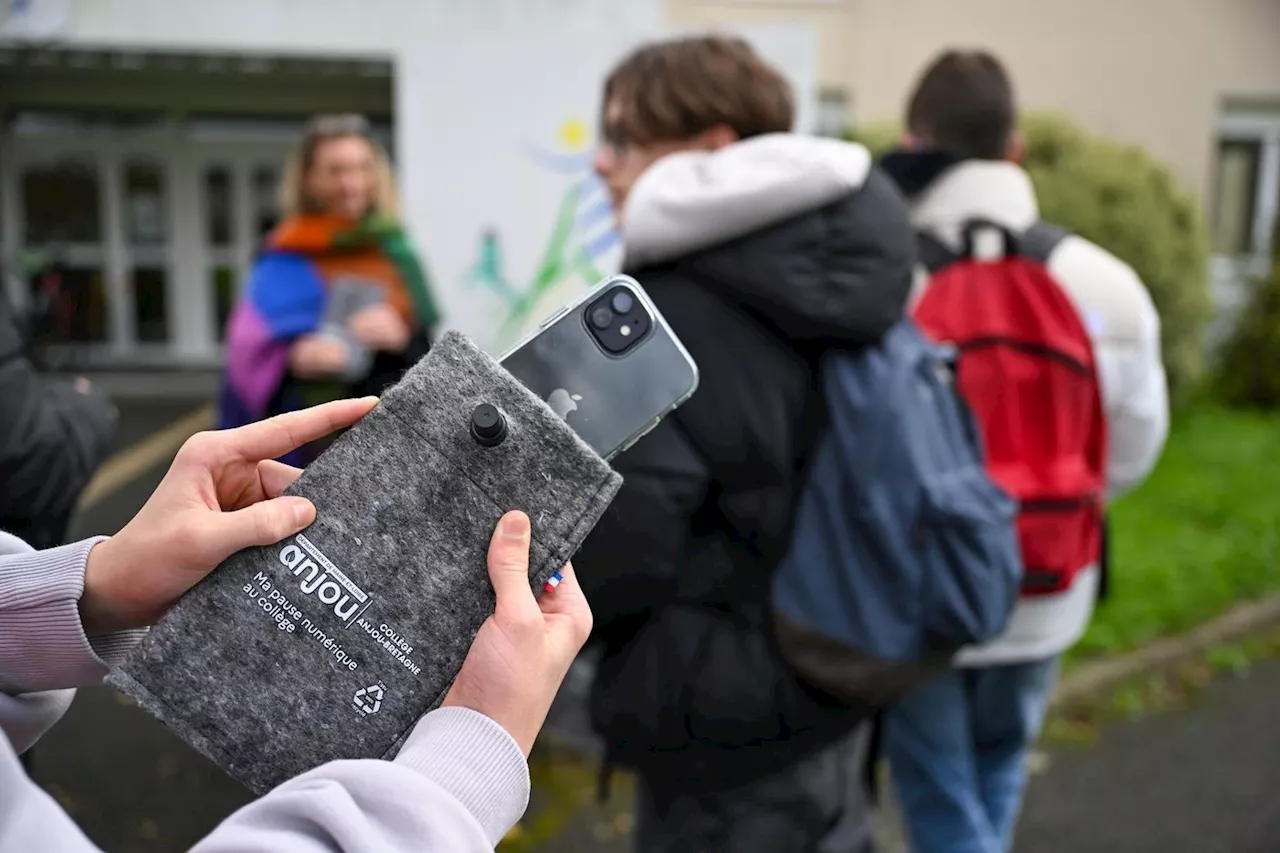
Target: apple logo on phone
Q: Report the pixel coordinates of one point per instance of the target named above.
(562, 402)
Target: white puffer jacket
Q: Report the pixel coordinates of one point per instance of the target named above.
(1118, 312)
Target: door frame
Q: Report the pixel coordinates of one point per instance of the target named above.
(241, 158)
(107, 153)
(186, 256)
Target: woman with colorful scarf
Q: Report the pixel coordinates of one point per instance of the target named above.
(290, 344)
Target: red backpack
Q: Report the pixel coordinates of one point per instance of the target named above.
(1026, 368)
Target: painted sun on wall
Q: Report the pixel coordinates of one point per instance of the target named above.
(581, 248)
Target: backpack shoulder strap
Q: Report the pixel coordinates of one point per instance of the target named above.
(1039, 241)
(1036, 243)
(934, 254)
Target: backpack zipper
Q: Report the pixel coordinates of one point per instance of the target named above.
(1065, 504)
(1031, 349)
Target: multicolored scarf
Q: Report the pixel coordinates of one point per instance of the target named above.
(285, 298)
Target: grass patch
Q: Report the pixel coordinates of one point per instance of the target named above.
(1080, 723)
(563, 802)
(1202, 533)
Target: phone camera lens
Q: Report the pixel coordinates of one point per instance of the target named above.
(601, 317)
(622, 302)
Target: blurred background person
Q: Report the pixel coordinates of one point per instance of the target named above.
(53, 437)
(338, 304)
(957, 745)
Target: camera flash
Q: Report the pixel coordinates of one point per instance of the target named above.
(625, 331)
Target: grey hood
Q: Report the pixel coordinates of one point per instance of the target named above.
(802, 230)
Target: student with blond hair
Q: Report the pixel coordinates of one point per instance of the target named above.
(290, 341)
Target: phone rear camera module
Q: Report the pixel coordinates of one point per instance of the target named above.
(622, 303)
(601, 317)
(618, 321)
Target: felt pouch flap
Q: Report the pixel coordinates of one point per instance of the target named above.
(334, 642)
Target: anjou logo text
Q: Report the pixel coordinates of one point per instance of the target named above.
(323, 580)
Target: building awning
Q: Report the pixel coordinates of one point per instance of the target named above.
(209, 83)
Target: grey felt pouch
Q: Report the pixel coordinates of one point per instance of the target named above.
(334, 642)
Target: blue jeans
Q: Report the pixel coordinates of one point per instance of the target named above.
(957, 747)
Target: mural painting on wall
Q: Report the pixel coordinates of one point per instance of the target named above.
(581, 247)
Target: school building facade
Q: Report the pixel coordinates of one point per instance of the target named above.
(141, 140)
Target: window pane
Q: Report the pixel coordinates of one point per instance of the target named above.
(73, 301)
(265, 181)
(223, 280)
(144, 212)
(60, 203)
(1274, 189)
(833, 112)
(218, 205)
(1235, 196)
(150, 316)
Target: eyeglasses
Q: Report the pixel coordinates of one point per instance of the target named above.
(613, 137)
(344, 124)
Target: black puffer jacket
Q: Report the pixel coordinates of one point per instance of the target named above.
(52, 439)
(761, 256)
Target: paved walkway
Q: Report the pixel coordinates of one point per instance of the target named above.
(1204, 779)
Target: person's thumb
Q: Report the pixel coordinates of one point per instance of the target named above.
(264, 523)
(509, 565)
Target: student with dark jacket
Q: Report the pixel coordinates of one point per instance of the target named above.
(763, 249)
(53, 437)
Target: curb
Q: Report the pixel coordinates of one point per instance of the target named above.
(197, 386)
(1090, 679)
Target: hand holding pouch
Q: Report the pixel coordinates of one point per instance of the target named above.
(334, 642)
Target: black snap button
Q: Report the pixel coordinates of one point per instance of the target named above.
(488, 426)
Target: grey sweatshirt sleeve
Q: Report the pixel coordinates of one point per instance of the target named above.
(459, 783)
(457, 786)
(43, 647)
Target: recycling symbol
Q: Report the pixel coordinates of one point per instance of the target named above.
(369, 699)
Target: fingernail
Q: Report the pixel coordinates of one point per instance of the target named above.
(515, 525)
(370, 400)
(303, 511)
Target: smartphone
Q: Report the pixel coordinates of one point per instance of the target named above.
(608, 364)
(347, 296)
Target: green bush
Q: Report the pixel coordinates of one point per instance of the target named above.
(1119, 197)
(1249, 374)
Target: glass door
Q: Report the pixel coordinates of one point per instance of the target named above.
(148, 261)
(89, 229)
(58, 243)
(238, 189)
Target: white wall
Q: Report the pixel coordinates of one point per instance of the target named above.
(504, 142)
(351, 27)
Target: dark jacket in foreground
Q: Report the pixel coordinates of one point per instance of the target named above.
(52, 439)
(761, 256)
